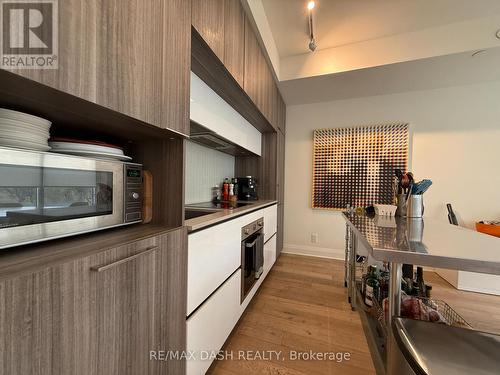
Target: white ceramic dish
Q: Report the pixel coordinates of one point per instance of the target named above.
(24, 117)
(98, 155)
(57, 145)
(23, 144)
(6, 129)
(24, 135)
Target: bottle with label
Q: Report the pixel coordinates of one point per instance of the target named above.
(236, 187)
(232, 197)
(225, 190)
(371, 286)
(216, 194)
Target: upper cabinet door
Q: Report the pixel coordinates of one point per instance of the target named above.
(281, 114)
(76, 55)
(208, 19)
(176, 65)
(131, 56)
(254, 82)
(143, 60)
(258, 80)
(234, 39)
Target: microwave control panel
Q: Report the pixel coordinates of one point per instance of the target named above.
(133, 192)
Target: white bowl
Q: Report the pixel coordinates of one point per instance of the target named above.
(25, 117)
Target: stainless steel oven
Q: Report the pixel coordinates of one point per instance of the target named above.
(45, 195)
(252, 255)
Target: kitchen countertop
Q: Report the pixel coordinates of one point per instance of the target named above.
(225, 214)
(426, 242)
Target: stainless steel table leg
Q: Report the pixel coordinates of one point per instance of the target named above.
(346, 259)
(352, 273)
(393, 356)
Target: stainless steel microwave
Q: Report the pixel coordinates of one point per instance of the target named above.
(46, 195)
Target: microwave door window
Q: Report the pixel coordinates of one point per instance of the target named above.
(32, 195)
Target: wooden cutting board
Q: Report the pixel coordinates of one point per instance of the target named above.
(147, 200)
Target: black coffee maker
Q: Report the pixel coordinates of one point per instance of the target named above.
(247, 189)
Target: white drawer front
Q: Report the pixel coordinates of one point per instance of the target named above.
(209, 327)
(213, 255)
(270, 221)
(269, 254)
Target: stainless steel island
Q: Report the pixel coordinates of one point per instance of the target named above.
(423, 242)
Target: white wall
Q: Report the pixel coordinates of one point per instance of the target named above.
(205, 168)
(455, 135)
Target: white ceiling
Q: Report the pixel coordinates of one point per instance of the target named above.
(343, 22)
(431, 73)
(376, 47)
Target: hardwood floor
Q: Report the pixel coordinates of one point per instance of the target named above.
(302, 306)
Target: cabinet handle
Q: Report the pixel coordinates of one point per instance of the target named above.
(124, 260)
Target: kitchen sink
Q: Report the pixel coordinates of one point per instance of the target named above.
(193, 213)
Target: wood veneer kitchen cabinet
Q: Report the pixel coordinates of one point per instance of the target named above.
(280, 167)
(76, 73)
(144, 59)
(208, 19)
(131, 56)
(258, 80)
(99, 314)
(254, 82)
(281, 114)
(280, 172)
(280, 233)
(234, 39)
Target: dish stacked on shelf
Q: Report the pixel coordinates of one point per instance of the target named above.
(21, 130)
(92, 149)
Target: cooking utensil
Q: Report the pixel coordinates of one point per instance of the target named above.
(421, 187)
(451, 215)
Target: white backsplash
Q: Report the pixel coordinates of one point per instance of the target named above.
(205, 168)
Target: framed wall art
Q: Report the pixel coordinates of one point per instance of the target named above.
(355, 166)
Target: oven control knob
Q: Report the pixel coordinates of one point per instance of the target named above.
(246, 231)
(260, 223)
(135, 195)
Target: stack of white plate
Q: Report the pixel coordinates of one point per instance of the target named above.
(20, 130)
(90, 149)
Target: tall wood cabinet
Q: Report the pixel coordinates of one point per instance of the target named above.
(234, 39)
(99, 314)
(143, 60)
(131, 56)
(207, 17)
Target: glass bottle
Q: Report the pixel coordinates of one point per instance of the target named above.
(371, 286)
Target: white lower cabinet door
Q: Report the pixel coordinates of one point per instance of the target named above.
(269, 254)
(210, 325)
(270, 221)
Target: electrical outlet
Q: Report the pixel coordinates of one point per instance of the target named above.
(314, 237)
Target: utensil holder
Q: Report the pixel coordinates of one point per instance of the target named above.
(415, 206)
(401, 202)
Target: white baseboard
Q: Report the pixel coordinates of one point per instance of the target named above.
(321, 252)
